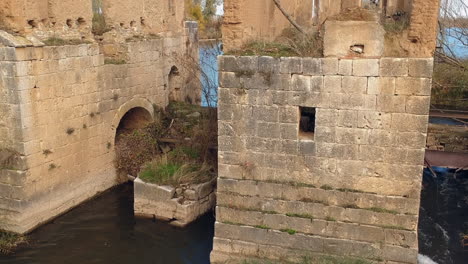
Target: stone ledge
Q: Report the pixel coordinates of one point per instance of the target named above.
(314, 244)
(317, 210)
(325, 228)
(180, 206)
(331, 66)
(290, 192)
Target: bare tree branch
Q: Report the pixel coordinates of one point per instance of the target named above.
(288, 17)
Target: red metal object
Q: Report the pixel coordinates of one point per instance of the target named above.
(447, 159)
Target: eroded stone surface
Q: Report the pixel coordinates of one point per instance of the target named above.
(338, 192)
(180, 206)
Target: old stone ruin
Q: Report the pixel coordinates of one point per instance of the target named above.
(322, 156)
(317, 156)
(70, 72)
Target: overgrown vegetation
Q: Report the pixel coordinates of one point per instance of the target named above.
(291, 43)
(450, 85)
(179, 148)
(55, 41)
(114, 61)
(9, 241)
(396, 24)
(99, 25)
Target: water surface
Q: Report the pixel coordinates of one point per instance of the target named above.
(105, 231)
(444, 216)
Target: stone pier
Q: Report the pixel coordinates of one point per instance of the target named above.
(320, 157)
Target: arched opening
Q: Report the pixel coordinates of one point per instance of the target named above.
(135, 118)
(175, 84)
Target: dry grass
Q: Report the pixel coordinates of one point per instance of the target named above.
(54, 41)
(355, 14)
(166, 170)
(114, 61)
(291, 43)
(9, 241)
(177, 143)
(450, 86)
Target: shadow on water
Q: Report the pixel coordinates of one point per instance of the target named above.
(444, 216)
(105, 230)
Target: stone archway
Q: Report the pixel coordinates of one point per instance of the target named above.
(134, 114)
(135, 118)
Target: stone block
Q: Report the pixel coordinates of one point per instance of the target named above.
(393, 67)
(329, 66)
(381, 85)
(379, 137)
(341, 35)
(268, 64)
(289, 131)
(300, 83)
(332, 84)
(266, 113)
(409, 122)
(354, 85)
(352, 136)
(418, 105)
(268, 130)
(280, 82)
(229, 80)
(325, 134)
(351, 101)
(325, 117)
(312, 66)
(248, 63)
(400, 254)
(7, 54)
(391, 103)
(307, 147)
(366, 67)
(413, 86)
(228, 64)
(316, 84)
(289, 114)
(421, 67)
(347, 118)
(374, 120)
(291, 65)
(152, 191)
(345, 67)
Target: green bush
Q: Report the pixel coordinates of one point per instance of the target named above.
(164, 170)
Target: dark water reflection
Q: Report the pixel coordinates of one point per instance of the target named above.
(104, 230)
(444, 216)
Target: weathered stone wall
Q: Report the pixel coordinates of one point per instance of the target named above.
(152, 16)
(72, 19)
(423, 28)
(179, 205)
(246, 20)
(68, 103)
(261, 20)
(353, 190)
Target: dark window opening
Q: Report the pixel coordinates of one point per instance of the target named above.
(307, 123)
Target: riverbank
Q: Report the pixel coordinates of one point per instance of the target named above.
(9, 241)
